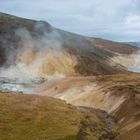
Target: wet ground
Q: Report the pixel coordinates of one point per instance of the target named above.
(17, 85)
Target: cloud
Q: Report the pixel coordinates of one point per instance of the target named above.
(117, 20)
(133, 21)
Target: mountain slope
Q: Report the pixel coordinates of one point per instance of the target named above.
(116, 47)
(119, 95)
(28, 45)
(124, 54)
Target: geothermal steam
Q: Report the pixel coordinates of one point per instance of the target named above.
(27, 61)
(136, 65)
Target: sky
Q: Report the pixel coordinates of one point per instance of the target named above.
(117, 20)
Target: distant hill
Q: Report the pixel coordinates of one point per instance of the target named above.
(118, 95)
(134, 43)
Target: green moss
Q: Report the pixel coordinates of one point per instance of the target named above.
(32, 117)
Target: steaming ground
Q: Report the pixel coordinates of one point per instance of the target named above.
(25, 66)
(135, 67)
(32, 52)
(27, 61)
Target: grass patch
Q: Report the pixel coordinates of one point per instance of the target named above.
(30, 117)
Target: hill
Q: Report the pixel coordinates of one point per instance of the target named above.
(134, 43)
(36, 49)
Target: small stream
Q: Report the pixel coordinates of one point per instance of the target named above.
(108, 119)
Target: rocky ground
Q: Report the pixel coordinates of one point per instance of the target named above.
(120, 99)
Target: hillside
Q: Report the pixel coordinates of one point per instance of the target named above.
(125, 54)
(118, 95)
(35, 117)
(28, 45)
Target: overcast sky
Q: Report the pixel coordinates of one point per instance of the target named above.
(112, 19)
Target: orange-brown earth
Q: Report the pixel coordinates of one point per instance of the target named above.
(118, 95)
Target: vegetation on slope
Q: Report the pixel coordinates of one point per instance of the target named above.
(30, 117)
